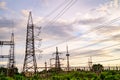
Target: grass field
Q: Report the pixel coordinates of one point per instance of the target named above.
(74, 75)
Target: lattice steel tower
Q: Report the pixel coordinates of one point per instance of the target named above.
(68, 66)
(57, 60)
(90, 63)
(11, 64)
(30, 65)
(11, 57)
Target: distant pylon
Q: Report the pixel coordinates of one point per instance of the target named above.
(68, 66)
(11, 56)
(90, 63)
(57, 60)
(45, 66)
(11, 64)
(30, 65)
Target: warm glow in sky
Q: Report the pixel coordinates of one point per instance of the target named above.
(88, 27)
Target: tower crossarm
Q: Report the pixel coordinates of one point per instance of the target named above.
(4, 56)
(6, 43)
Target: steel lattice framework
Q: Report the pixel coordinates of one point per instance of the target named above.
(30, 65)
(57, 59)
(11, 57)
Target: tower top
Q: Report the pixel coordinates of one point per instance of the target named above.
(30, 20)
(67, 51)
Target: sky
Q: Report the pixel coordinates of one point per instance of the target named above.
(90, 28)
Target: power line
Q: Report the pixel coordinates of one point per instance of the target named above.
(108, 60)
(70, 4)
(67, 6)
(104, 40)
(103, 61)
(80, 35)
(102, 48)
(57, 8)
(52, 12)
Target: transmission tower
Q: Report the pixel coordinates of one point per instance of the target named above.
(11, 64)
(68, 66)
(45, 66)
(11, 57)
(57, 60)
(30, 65)
(90, 63)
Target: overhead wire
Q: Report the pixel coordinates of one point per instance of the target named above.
(107, 60)
(67, 6)
(103, 61)
(112, 22)
(59, 15)
(95, 43)
(80, 35)
(104, 40)
(70, 4)
(52, 12)
(114, 45)
(99, 54)
(56, 9)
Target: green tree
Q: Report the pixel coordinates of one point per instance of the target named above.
(110, 77)
(90, 75)
(3, 71)
(97, 68)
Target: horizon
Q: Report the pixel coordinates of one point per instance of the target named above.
(89, 28)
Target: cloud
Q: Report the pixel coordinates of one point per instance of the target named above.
(109, 31)
(5, 27)
(62, 30)
(4, 22)
(58, 30)
(25, 12)
(97, 53)
(45, 2)
(3, 5)
(91, 21)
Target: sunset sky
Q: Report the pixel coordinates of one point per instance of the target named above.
(88, 27)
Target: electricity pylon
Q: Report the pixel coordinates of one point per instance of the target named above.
(30, 65)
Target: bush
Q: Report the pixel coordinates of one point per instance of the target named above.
(110, 77)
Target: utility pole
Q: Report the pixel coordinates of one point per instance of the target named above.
(30, 65)
(68, 66)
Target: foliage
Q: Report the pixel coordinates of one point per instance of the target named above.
(54, 70)
(3, 71)
(73, 75)
(97, 68)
